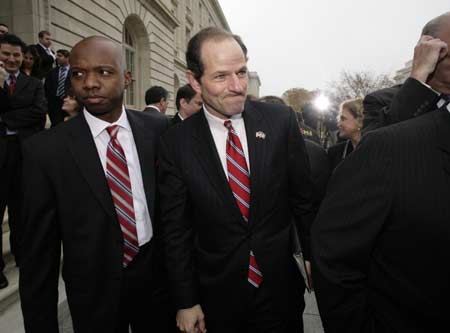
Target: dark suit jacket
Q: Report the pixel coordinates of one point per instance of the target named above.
(67, 199)
(175, 120)
(207, 241)
(25, 110)
(47, 61)
(320, 167)
(381, 240)
(398, 103)
(338, 152)
(156, 114)
(54, 102)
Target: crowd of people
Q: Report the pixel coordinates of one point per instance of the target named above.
(187, 223)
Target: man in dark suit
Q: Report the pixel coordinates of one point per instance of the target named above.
(232, 177)
(57, 85)
(188, 102)
(156, 100)
(90, 185)
(22, 114)
(47, 55)
(380, 242)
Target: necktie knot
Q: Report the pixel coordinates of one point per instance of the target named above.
(228, 124)
(112, 131)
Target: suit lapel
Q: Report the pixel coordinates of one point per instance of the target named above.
(257, 133)
(207, 155)
(82, 146)
(21, 83)
(145, 149)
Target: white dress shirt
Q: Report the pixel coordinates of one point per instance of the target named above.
(154, 107)
(125, 137)
(220, 135)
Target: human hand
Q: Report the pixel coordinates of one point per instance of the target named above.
(191, 320)
(2, 74)
(427, 53)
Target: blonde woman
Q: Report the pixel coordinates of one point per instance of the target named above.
(350, 120)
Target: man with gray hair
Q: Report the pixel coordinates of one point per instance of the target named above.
(381, 240)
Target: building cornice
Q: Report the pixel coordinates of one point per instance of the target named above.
(220, 13)
(163, 13)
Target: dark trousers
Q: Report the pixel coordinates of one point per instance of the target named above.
(10, 189)
(144, 303)
(259, 316)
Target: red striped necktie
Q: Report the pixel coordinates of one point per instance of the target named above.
(239, 180)
(119, 183)
(12, 84)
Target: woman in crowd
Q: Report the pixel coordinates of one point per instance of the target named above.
(350, 120)
(31, 62)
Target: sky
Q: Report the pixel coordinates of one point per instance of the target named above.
(308, 43)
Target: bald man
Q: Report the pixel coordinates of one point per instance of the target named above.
(90, 187)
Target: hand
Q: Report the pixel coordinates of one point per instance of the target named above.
(2, 74)
(427, 53)
(308, 274)
(191, 320)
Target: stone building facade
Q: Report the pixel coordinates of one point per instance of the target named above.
(154, 33)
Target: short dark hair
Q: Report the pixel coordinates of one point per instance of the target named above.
(4, 25)
(155, 94)
(42, 33)
(64, 52)
(13, 40)
(193, 53)
(433, 27)
(272, 99)
(185, 92)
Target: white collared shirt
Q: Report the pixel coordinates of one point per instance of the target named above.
(154, 107)
(220, 134)
(125, 137)
(49, 51)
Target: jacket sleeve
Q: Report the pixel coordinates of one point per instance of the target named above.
(40, 246)
(177, 229)
(343, 236)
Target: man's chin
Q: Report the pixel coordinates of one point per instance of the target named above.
(96, 111)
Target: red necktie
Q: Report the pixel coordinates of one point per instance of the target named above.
(12, 84)
(119, 183)
(239, 180)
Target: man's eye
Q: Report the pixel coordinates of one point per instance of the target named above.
(242, 73)
(104, 72)
(76, 74)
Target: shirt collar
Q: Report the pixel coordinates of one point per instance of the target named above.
(155, 107)
(217, 122)
(97, 126)
(16, 74)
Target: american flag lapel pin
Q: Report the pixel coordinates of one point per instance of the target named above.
(260, 135)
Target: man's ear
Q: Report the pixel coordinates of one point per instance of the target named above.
(128, 78)
(195, 84)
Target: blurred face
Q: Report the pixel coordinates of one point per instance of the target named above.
(11, 56)
(46, 40)
(440, 80)
(3, 30)
(28, 60)
(187, 109)
(347, 124)
(223, 85)
(61, 59)
(98, 77)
